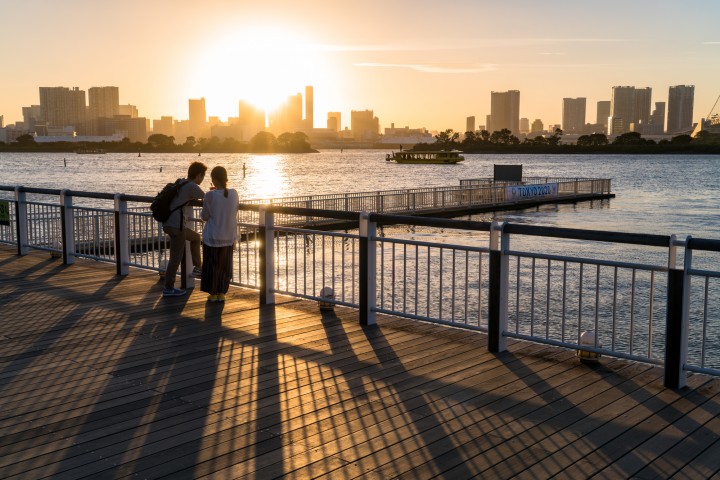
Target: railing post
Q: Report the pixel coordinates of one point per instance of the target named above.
(68, 227)
(676, 329)
(122, 240)
(498, 292)
(21, 221)
(267, 257)
(367, 270)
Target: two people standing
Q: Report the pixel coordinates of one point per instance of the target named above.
(219, 234)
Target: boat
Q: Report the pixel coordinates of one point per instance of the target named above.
(88, 151)
(425, 157)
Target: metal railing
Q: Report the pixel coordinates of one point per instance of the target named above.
(472, 193)
(649, 307)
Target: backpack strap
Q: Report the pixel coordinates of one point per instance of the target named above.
(173, 210)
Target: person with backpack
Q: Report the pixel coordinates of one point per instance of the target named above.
(219, 211)
(176, 226)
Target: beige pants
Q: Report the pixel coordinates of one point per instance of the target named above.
(177, 247)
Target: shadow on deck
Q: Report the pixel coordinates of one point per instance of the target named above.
(100, 377)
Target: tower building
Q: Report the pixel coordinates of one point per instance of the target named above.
(680, 108)
(505, 111)
(573, 116)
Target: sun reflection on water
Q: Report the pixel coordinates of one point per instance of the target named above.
(268, 173)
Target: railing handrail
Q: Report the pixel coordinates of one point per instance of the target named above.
(81, 231)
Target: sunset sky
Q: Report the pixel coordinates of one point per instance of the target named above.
(415, 63)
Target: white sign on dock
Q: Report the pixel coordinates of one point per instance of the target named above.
(527, 192)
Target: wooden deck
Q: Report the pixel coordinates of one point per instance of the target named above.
(102, 378)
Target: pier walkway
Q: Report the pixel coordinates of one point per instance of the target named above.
(100, 377)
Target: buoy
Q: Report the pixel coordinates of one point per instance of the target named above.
(587, 339)
(326, 294)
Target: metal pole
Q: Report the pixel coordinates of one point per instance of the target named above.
(21, 221)
(122, 240)
(267, 257)
(367, 271)
(676, 330)
(498, 291)
(68, 227)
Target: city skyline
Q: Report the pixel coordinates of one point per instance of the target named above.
(404, 60)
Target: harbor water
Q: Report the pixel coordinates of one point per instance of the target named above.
(655, 194)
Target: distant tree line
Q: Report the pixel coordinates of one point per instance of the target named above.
(503, 141)
(263, 142)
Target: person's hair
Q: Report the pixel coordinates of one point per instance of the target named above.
(220, 179)
(196, 168)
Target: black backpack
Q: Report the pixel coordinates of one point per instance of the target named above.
(160, 206)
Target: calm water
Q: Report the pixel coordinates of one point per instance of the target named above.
(663, 194)
(655, 194)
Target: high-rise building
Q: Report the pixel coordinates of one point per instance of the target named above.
(309, 114)
(250, 119)
(573, 116)
(656, 125)
(643, 104)
(333, 121)
(104, 102)
(603, 112)
(63, 107)
(197, 117)
(164, 126)
(524, 126)
(680, 108)
(128, 111)
(622, 110)
(537, 126)
(470, 124)
(364, 125)
(629, 105)
(505, 111)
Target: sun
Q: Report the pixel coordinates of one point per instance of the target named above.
(261, 65)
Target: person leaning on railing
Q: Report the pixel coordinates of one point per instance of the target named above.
(176, 227)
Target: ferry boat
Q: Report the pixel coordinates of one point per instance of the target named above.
(419, 157)
(88, 151)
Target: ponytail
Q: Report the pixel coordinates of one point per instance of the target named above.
(220, 179)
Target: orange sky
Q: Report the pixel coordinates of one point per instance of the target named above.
(415, 63)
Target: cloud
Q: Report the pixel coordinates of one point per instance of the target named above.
(463, 44)
(433, 68)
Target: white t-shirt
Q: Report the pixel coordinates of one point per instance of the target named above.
(220, 213)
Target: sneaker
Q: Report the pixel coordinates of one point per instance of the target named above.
(197, 272)
(173, 292)
(212, 298)
(220, 297)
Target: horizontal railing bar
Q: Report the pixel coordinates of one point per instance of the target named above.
(450, 246)
(305, 212)
(647, 239)
(703, 370)
(703, 273)
(430, 319)
(388, 219)
(318, 299)
(589, 261)
(706, 244)
(574, 346)
(304, 231)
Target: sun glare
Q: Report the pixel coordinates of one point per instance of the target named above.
(263, 66)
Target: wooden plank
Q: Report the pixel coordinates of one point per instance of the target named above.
(100, 376)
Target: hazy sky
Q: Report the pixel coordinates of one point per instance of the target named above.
(416, 63)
